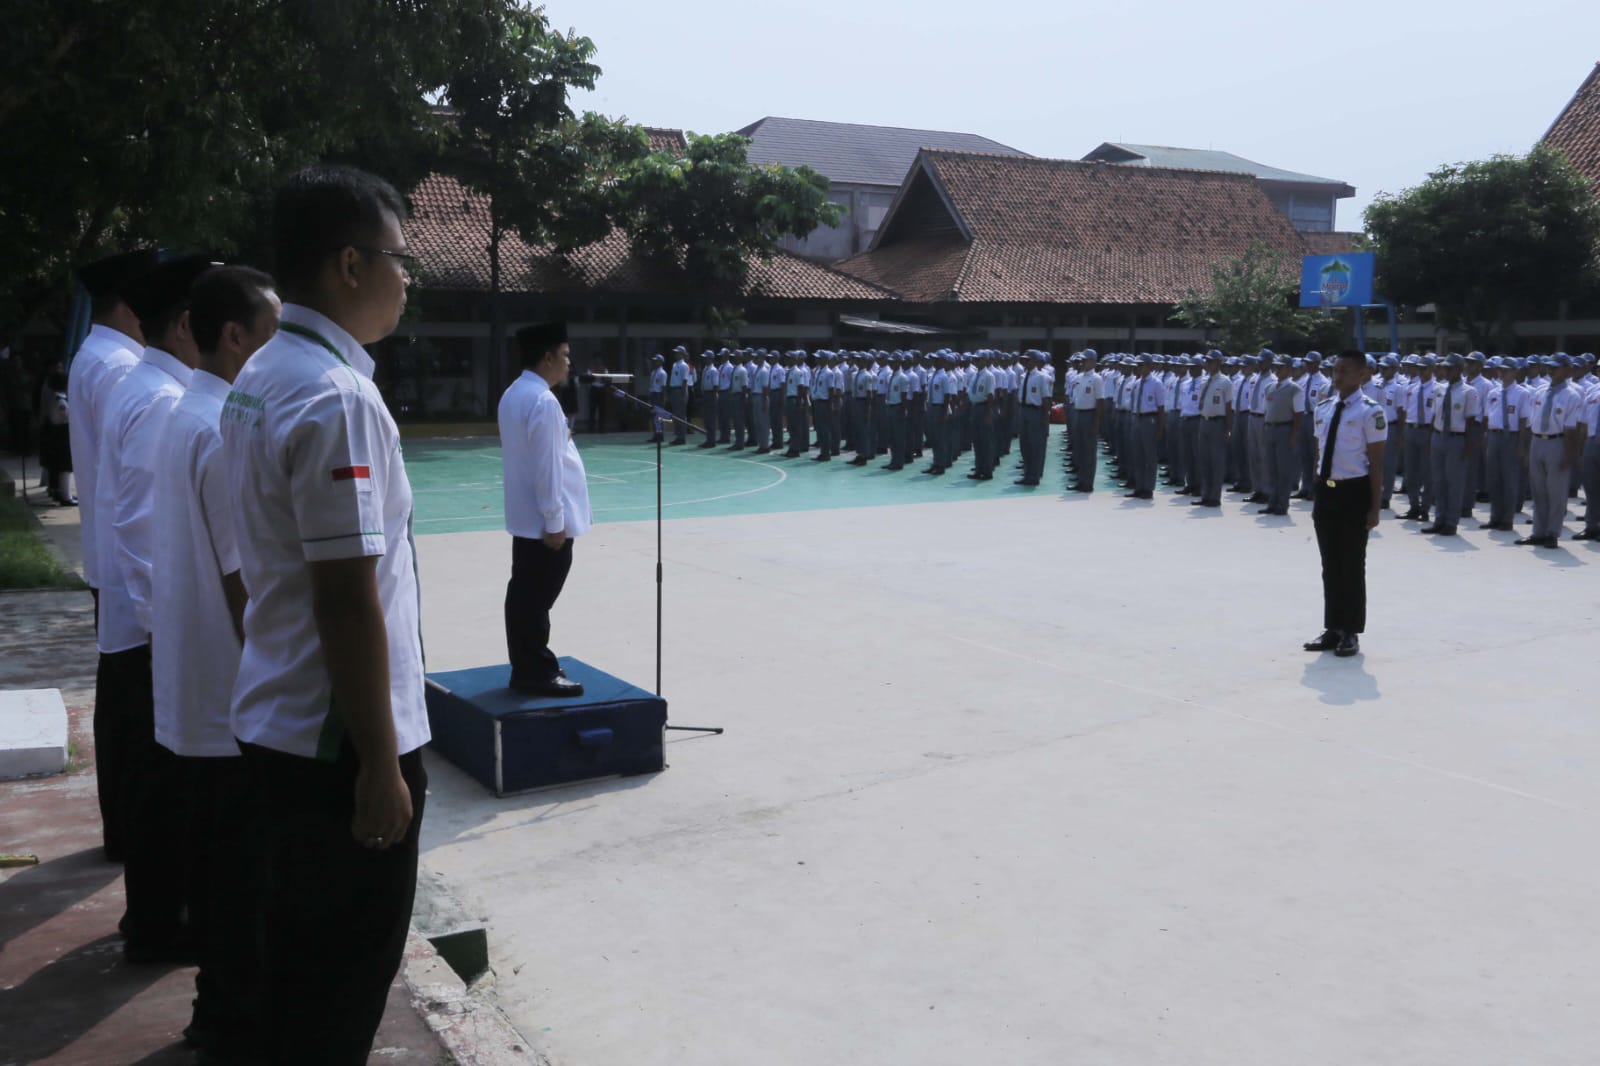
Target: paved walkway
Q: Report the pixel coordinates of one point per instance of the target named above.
(66, 996)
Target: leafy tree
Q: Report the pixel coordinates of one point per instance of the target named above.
(710, 212)
(548, 172)
(128, 121)
(1252, 302)
(1489, 241)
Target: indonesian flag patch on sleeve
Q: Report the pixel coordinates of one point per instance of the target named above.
(352, 473)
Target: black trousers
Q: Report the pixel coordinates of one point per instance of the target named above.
(537, 577)
(224, 890)
(142, 804)
(336, 913)
(1339, 515)
(119, 677)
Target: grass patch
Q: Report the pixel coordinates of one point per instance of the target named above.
(26, 561)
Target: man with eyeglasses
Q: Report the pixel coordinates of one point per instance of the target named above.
(328, 705)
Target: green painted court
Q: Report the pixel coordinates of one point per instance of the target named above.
(458, 490)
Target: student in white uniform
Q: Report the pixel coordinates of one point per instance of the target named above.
(1351, 436)
(546, 504)
(328, 706)
(109, 351)
(678, 394)
(658, 396)
(135, 414)
(198, 619)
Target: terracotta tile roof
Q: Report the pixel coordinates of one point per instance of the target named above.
(449, 232)
(1577, 130)
(1066, 231)
(1335, 243)
(664, 140)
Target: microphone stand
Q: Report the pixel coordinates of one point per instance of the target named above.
(659, 416)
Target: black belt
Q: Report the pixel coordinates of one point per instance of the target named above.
(1342, 482)
(1290, 422)
(1214, 418)
(1188, 417)
(1452, 432)
(1149, 414)
(1549, 436)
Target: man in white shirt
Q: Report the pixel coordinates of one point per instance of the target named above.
(1351, 435)
(328, 707)
(1504, 411)
(135, 414)
(109, 351)
(547, 505)
(198, 619)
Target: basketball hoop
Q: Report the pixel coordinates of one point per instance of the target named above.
(1330, 296)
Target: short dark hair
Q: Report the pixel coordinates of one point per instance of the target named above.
(225, 294)
(1355, 354)
(322, 209)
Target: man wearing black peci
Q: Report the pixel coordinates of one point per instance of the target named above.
(547, 505)
(1351, 432)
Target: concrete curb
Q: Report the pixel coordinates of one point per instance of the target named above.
(473, 1031)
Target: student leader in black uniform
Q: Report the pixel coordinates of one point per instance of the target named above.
(1350, 431)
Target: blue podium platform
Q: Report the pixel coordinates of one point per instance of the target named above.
(511, 742)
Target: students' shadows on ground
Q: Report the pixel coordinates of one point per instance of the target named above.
(66, 998)
(32, 896)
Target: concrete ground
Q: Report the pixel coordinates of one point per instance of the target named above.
(1048, 780)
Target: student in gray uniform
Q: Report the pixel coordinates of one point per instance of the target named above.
(710, 406)
(1455, 440)
(1280, 426)
(1553, 435)
(1216, 421)
(1033, 397)
(1503, 415)
(678, 393)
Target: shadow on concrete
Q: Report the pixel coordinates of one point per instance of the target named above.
(65, 999)
(34, 895)
(1340, 682)
(1457, 543)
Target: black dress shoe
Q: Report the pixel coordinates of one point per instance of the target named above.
(560, 687)
(1432, 529)
(1529, 540)
(763, 451)
(892, 466)
(1327, 642)
(1144, 495)
(1131, 495)
(1587, 534)
(1446, 531)
(859, 460)
(1349, 645)
(934, 471)
(1547, 542)
(1266, 510)
(1258, 497)
(1025, 481)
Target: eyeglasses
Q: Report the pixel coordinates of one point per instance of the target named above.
(406, 258)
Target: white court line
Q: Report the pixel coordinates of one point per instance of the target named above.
(1414, 764)
(783, 475)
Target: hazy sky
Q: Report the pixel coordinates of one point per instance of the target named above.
(1374, 93)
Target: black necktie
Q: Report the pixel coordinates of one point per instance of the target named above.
(1326, 473)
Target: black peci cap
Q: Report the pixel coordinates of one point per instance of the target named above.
(106, 276)
(535, 340)
(157, 291)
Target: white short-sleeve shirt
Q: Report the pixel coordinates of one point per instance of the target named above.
(1087, 391)
(130, 436)
(1464, 408)
(1556, 409)
(313, 458)
(195, 653)
(1215, 395)
(101, 361)
(1360, 423)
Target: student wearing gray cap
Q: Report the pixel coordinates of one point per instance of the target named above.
(1456, 419)
(1554, 437)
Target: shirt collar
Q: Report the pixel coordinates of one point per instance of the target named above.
(168, 364)
(332, 332)
(539, 383)
(208, 384)
(115, 336)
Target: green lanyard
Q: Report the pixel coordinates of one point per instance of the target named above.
(312, 335)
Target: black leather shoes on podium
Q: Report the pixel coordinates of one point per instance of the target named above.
(560, 687)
